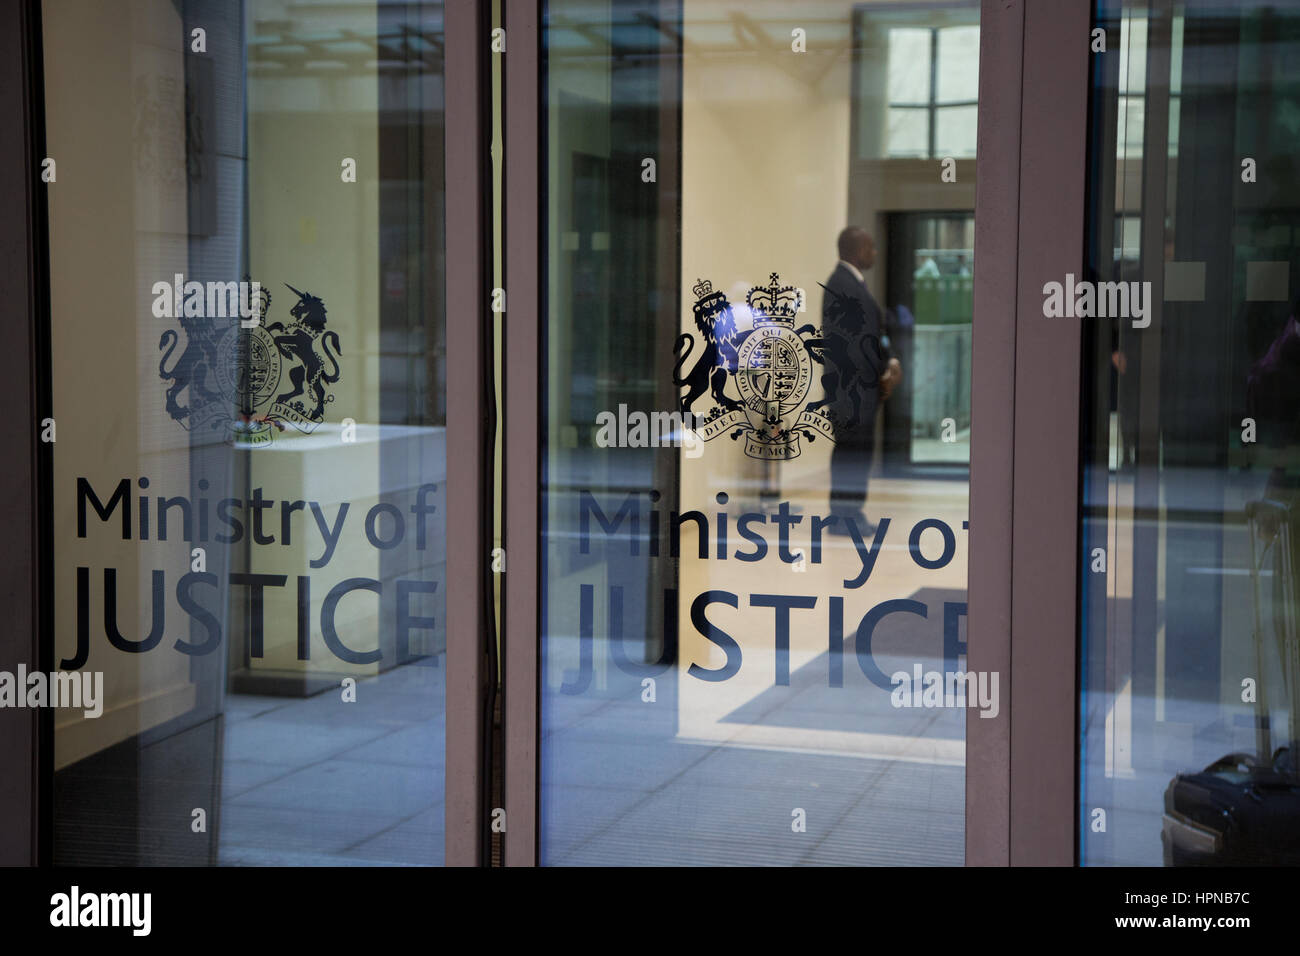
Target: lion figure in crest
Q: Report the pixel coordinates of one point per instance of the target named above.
(720, 357)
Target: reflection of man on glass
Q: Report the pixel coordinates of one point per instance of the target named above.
(859, 373)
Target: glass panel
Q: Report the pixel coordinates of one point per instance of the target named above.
(249, 471)
(1132, 118)
(954, 131)
(1191, 656)
(909, 132)
(909, 65)
(958, 71)
(748, 583)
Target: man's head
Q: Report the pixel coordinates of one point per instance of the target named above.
(855, 246)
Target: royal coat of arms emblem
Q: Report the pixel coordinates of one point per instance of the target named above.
(770, 362)
(252, 381)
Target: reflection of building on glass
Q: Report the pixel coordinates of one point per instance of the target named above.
(931, 75)
(1191, 460)
(1243, 808)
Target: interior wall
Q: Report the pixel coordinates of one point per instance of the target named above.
(765, 182)
(115, 126)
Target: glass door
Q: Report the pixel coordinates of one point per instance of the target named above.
(1188, 719)
(249, 387)
(752, 633)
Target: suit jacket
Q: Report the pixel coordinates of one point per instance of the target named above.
(852, 313)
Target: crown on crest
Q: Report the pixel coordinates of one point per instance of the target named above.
(774, 304)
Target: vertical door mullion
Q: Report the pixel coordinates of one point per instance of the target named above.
(523, 355)
(26, 751)
(993, 395)
(468, 437)
(1023, 619)
(1045, 516)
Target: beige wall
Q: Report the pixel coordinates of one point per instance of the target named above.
(117, 224)
(765, 179)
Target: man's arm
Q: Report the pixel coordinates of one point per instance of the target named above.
(890, 369)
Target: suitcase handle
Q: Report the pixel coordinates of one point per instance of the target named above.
(1233, 761)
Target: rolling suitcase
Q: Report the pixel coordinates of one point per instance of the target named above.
(1244, 809)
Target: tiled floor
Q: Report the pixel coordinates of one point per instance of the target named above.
(709, 773)
(647, 798)
(323, 782)
(714, 772)
(320, 782)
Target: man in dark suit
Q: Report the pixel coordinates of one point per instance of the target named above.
(859, 373)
